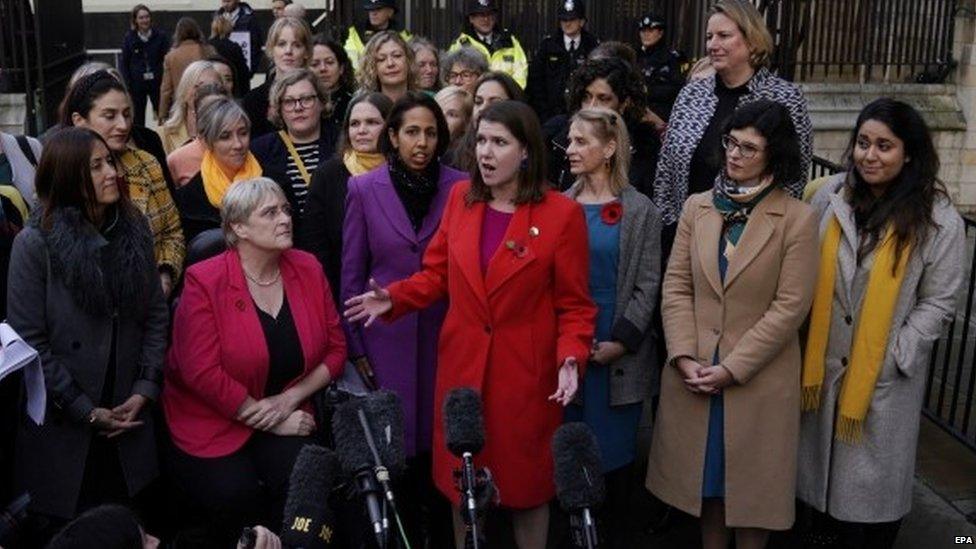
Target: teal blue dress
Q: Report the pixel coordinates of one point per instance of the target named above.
(713, 478)
(615, 426)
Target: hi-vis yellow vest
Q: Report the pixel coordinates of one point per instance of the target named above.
(355, 46)
(512, 60)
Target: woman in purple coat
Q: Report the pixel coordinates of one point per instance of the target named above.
(391, 214)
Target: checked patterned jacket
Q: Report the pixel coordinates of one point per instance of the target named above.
(693, 111)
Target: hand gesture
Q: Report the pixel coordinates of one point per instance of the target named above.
(111, 425)
(711, 380)
(268, 412)
(369, 305)
(299, 424)
(568, 382)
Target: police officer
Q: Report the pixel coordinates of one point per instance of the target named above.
(659, 65)
(559, 54)
(482, 32)
(379, 15)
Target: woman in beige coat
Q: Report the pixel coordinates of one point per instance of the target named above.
(738, 286)
(189, 45)
(858, 439)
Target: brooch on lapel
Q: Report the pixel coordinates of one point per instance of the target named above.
(533, 231)
(519, 249)
(611, 212)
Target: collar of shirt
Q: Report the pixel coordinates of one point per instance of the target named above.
(568, 42)
(232, 15)
(145, 36)
(486, 38)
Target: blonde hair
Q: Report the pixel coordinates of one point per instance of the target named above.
(185, 92)
(366, 74)
(302, 33)
(285, 81)
(750, 22)
(456, 92)
(607, 126)
(220, 27)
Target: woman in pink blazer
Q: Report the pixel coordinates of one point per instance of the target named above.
(255, 334)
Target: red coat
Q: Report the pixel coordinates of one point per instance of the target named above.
(506, 333)
(219, 355)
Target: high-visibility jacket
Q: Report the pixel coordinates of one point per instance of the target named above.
(356, 40)
(504, 55)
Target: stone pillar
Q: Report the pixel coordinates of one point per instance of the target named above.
(962, 181)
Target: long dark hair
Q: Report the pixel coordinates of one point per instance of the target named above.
(519, 119)
(64, 175)
(81, 97)
(410, 100)
(772, 121)
(347, 82)
(908, 200)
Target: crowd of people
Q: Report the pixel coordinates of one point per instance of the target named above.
(579, 235)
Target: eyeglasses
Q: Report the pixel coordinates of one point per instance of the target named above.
(747, 150)
(466, 75)
(292, 103)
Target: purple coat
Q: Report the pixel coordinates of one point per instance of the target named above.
(379, 242)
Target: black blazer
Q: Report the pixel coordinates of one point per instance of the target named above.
(232, 52)
(325, 212)
(256, 106)
(197, 214)
(272, 154)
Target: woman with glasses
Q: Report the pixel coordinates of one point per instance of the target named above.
(289, 46)
(462, 67)
(738, 286)
(289, 156)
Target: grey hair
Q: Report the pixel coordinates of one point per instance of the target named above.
(240, 201)
(465, 56)
(216, 116)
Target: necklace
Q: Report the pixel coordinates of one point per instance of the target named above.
(277, 277)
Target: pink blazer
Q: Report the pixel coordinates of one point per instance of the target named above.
(219, 355)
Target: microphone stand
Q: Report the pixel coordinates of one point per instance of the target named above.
(584, 529)
(382, 475)
(472, 536)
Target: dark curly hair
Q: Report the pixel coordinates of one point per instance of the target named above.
(626, 83)
(908, 199)
(772, 121)
(347, 82)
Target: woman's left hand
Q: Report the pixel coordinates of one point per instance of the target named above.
(568, 382)
(712, 379)
(269, 411)
(166, 283)
(607, 352)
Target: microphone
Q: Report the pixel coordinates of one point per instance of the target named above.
(465, 435)
(309, 523)
(369, 439)
(579, 479)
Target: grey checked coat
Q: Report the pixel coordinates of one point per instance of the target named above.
(690, 117)
(872, 481)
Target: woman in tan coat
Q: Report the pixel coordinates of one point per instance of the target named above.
(189, 45)
(738, 286)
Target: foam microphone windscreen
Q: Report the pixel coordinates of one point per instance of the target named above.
(350, 443)
(464, 426)
(385, 415)
(308, 521)
(578, 467)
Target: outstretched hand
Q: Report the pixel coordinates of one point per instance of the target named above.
(568, 382)
(368, 306)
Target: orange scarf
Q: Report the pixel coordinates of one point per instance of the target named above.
(215, 180)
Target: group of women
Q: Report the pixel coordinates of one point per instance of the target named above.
(459, 260)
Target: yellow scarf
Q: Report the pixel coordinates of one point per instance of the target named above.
(870, 342)
(215, 180)
(359, 163)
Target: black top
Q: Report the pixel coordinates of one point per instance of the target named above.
(256, 104)
(416, 190)
(550, 69)
(325, 211)
(285, 360)
(708, 157)
(197, 214)
(231, 51)
(661, 68)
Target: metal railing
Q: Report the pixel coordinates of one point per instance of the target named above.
(950, 387)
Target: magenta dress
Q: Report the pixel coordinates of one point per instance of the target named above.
(493, 229)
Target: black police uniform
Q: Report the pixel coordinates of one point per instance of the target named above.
(661, 68)
(550, 70)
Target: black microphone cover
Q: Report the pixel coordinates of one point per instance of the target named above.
(385, 414)
(464, 427)
(385, 417)
(308, 522)
(578, 467)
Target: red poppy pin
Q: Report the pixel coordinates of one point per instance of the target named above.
(611, 213)
(520, 250)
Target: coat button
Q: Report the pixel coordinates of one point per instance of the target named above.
(76, 345)
(848, 320)
(843, 362)
(487, 329)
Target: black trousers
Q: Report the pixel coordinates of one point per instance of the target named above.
(242, 489)
(140, 91)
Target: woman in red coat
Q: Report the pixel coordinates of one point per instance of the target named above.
(511, 257)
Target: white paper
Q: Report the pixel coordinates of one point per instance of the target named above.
(243, 39)
(16, 354)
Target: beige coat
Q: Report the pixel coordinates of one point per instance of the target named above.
(872, 481)
(753, 318)
(175, 62)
